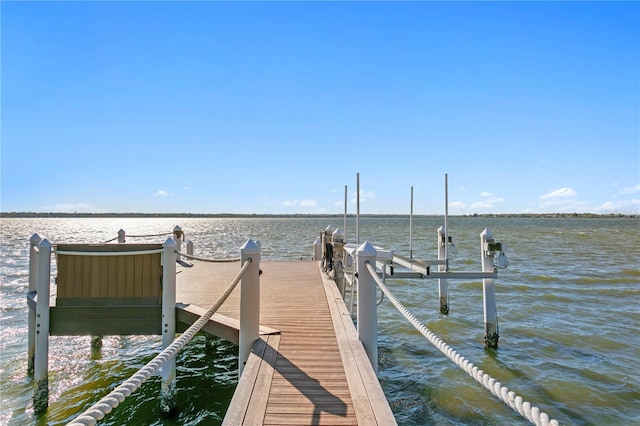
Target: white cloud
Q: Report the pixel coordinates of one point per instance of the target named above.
(457, 205)
(462, 188)
(561, 200)
(622, 206)
(480, 205)
(73, 208)
(162, 193)
(630, 190)
(559, 193)
(300, 203)
(488, 202)
(364, 196)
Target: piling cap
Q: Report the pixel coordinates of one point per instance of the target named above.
(338, 235)
(366, 249)
(250, 247)
(486, 234)
(328, 229)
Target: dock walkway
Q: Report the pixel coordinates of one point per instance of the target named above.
(307, 367)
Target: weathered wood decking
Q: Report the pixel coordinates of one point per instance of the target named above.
(307, 367)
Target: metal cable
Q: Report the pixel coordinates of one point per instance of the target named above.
(103, 407)
(519, 405)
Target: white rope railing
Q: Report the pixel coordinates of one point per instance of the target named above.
(107, 253)
(103, 407)
(139, 236)
(162, 234)
(517, 403)
(202, 259)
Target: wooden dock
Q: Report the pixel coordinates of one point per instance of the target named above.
(307, 367)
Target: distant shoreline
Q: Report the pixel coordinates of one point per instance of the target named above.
(297, 215)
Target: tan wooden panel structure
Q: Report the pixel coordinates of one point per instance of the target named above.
(86, 276)
(107, 295)
(314, 371)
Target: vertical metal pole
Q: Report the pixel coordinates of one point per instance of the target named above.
(121, 236)
(41, 360)
(411, 227)
(357, 208)
(367, 306)
(33, 287)
(443, 283)
(168, 374)
(489, 293)
(249, 302)
(344, 224)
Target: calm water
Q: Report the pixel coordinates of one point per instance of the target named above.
(568, 307)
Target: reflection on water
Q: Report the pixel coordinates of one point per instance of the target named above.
(568, 306)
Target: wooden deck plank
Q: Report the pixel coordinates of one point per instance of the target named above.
(244, 389)
(303, 375)
(262, 389)
(354, 357)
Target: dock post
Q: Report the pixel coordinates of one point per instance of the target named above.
(41, 359)
(317, 250)
(33, 287)
(338, 254)
(121, 236)
(489, 292)
(178, 236)
(168, 374)
(190, 248)
(443, 283)
(367, 304)
(249, 302)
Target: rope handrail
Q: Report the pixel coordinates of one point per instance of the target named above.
(139, 236)
(107, 253)
(103, 407)
(149, 235)
(202, 259)
(509, 397)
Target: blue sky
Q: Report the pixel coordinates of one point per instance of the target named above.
(273, 107)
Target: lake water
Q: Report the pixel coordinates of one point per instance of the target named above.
(568, 309)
